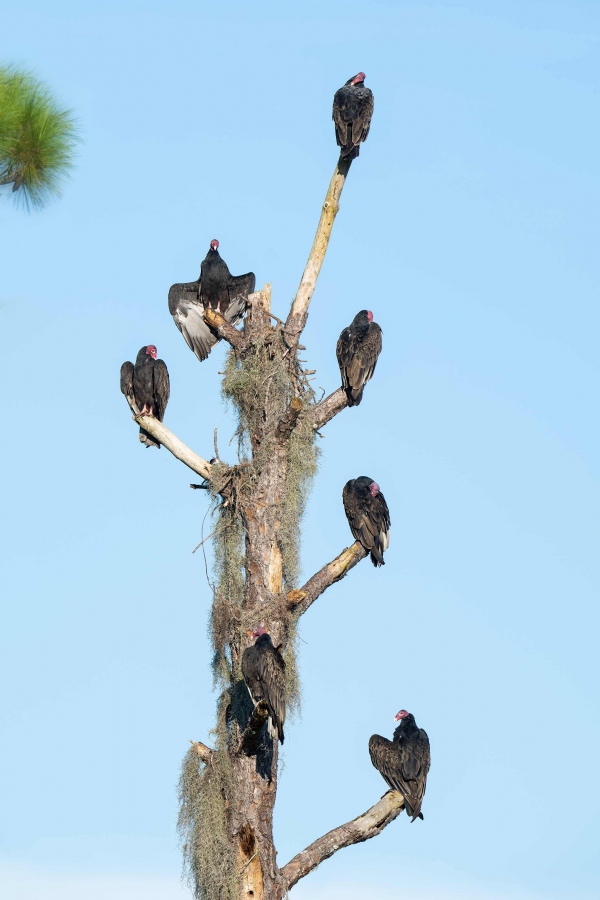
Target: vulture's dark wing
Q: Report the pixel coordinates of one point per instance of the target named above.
(369, 521)
(242, 285)
(357, 360)
(127, 382)
(188, 315)
(379, 519)
(239, 287)
(361, 121)
(162, 389)
(263, 669)
(343, 351)
(415, 759)
(236, 309)
(404, 766)
(341, 115)
(127, 371)
(384, 756)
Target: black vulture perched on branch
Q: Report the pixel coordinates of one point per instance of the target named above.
(404, 761)
(352, 111)
(146, 385)
(358, 349)
(263, 668)
(368, 516)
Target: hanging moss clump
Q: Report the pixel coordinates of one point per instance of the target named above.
(208, 854)
(229, 586)
(260, 387)
(302, 464)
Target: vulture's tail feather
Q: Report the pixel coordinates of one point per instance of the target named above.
(377, 557)
(349, 152)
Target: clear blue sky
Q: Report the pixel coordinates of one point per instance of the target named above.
(469, 225)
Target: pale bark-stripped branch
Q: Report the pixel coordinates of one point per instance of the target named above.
(364, 827)
(328, 408)
(225, 329)
(298, 314)
(179, 450)
(202, 750)
(300, 600)
(169, 440)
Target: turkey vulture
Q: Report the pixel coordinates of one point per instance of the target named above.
(146, 385)
(368, 516)
(263, 669)
(217, 288)
(352, 111)
(358, 349)
(404, 761)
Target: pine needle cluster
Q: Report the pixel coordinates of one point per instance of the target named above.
(37, 138)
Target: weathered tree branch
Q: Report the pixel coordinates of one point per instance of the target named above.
(298, 314)
(368, 825)
(171, 441)
(328, 408)
(202, 750)
(250, 739)
(299, 600)
(225, 329)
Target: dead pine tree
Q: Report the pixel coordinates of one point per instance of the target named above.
(227, 793)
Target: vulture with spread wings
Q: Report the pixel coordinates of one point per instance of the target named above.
(146, 385)
(358, 349)
(404, 761)
(263, 668)
(216, 288)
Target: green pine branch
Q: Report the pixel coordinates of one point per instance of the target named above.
(37, 138)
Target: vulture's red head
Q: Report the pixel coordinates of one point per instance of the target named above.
(258, 632)
(374, 488)
(401, 715)
(151, 351)
(214, 245)
(369, 315)
(358, 79)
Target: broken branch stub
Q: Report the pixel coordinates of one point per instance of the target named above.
(324, 411)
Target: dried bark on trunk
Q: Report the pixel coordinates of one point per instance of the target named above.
(229, 845)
